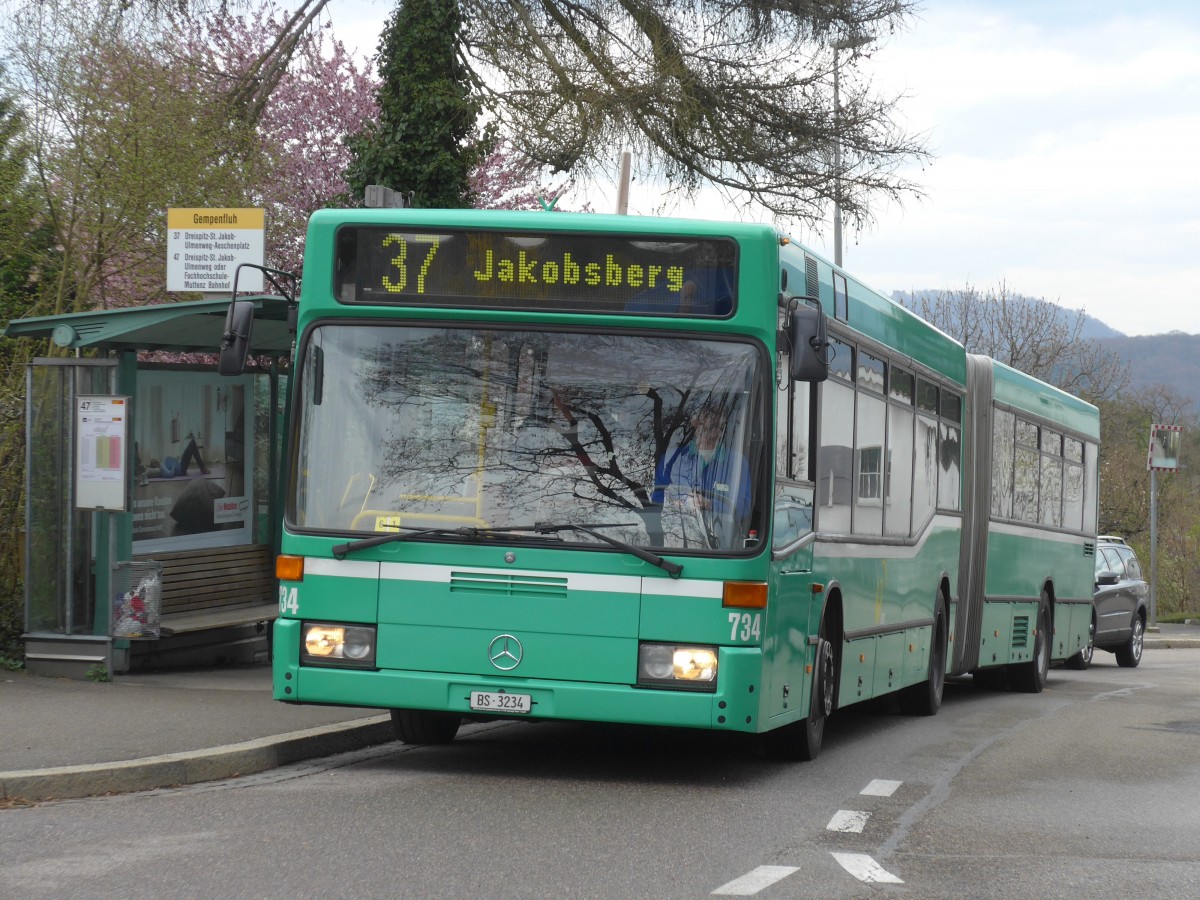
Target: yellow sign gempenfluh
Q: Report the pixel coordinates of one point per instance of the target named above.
(206, 246)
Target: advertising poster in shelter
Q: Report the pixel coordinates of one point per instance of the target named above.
(193, 461)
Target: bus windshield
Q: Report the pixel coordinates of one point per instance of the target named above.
(656, 440)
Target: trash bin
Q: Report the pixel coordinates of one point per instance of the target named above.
(137, 599)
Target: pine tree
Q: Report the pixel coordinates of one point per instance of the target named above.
(425, 139)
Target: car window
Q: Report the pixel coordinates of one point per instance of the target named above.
(1107, 561)
(1133, 571)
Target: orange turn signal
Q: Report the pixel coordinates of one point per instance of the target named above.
(289, 568)
(745, 594)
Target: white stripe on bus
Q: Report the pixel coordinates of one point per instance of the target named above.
(874, 546)
(341, 568)
(1040, 533)
(575, 581)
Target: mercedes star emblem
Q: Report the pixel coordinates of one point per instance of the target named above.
(505, 652)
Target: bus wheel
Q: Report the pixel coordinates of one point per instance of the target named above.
(1083, 658)
(925, 699)
(420, 726)
(802, 740)
(1030, 677)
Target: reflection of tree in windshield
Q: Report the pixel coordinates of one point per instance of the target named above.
(512, 428)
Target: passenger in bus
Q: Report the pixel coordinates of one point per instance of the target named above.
(707, 471)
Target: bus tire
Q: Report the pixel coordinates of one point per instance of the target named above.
(925, 699)
(421, 726)
(1031, 676)
(802, 740)
(1081, 660)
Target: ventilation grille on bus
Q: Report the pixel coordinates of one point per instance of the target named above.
(812, 286)
(1089, 549)
(515, 585)
(1020, 632)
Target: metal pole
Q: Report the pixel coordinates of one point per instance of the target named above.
(837, 164)
(1153, 549)
(623, 184)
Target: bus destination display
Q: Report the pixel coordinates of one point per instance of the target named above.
(545, 271)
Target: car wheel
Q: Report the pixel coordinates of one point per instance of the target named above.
(1129, 654)
(419, 726)
(1083, 658)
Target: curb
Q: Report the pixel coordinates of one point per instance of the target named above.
(1168, 643)
(194, 766)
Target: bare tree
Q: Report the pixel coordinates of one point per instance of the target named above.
(1036, 336)
(735, 94)
(118, 134)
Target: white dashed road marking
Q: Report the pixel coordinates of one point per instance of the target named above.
(848, 821)
(866, 869)
(845, 821)
(881, 787)
(755, 880)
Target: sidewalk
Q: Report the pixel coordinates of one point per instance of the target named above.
(64, 738)
(149, 730)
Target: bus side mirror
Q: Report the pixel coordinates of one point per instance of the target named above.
(235, 341)
(810, 344)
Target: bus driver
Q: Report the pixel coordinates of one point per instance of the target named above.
(707, 477)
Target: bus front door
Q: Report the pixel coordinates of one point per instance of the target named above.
(792, 617)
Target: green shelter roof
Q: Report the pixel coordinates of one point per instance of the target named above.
(194, 327)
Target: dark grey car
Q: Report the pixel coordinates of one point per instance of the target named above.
(1120, 603)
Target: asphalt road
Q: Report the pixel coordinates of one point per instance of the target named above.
(1087, 789)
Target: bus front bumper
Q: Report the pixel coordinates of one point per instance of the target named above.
(734, 706)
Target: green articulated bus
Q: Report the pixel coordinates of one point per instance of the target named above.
(654, 471)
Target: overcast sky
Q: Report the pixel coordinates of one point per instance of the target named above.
(1065, 137)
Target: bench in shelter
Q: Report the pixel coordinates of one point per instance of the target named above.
(216, 587)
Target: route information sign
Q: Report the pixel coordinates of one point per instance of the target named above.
(101, 429)
(205, 247)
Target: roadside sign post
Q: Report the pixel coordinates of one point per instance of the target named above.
(1163, 456)
(205, 247)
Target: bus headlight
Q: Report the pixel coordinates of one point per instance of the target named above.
(678, 666)
(326, 644)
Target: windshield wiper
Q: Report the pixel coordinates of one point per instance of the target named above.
(672, 569)
(408, 533)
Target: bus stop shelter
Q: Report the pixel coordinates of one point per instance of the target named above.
(185, 485)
